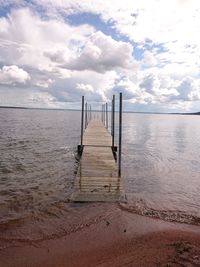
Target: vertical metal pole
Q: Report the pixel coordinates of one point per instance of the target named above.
(113, 121)
(120, 134)
(85, 115)
(102, 113)
(90, 112)
(82, 119)
(111, 118)
(107, 115)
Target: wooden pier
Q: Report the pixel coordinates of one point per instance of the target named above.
(97, 178)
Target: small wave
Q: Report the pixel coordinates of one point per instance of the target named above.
(64, 147)
(140, 207)
(5, 170)
(56, 221)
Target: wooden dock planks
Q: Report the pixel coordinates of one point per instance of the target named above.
(97, 177)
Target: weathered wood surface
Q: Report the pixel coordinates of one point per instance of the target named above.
(97, 177)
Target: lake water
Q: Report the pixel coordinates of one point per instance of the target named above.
(160, 163)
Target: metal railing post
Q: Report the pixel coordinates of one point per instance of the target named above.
(88, 114)
(120, 135)
(82, 121)
(113, 121)
(85, 115)
(111, 118)
(102, 113)
(107, 115)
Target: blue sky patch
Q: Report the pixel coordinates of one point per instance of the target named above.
(5, 10)
(95, 21)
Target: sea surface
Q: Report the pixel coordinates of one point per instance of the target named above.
(38, 163)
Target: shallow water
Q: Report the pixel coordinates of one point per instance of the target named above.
(160, 167)
(161, 163)
(37, 160)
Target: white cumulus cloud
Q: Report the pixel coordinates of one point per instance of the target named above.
(13, 74)
(102, 53)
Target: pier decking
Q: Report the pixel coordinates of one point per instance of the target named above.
(97, 177)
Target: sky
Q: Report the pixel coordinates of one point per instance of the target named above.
(54, 51)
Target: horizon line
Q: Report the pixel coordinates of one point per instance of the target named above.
(69, 109)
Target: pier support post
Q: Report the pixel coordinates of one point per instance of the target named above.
(102, 113)
(111, 118)
(86, 115)
(120, 135)
(107, 115)
(82, 121)
(80, 147)
(113, 122)
(88, 118)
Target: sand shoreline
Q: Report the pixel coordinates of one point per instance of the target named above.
(119, 238)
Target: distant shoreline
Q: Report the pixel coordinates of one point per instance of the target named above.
(137, 112)
(11, 107)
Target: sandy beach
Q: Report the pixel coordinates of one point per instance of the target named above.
(106, 236)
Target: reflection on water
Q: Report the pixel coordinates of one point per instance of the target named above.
(161, 163)
(180, 137)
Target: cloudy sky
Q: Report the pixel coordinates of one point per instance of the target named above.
(54, 51)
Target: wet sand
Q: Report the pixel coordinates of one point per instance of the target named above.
(101, 235)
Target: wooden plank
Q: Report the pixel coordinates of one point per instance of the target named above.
(97, 178)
